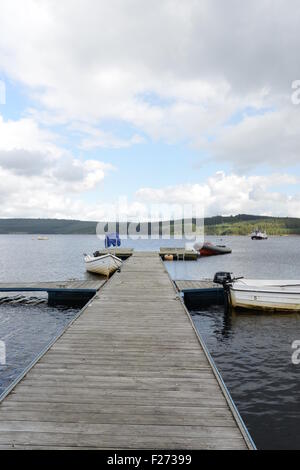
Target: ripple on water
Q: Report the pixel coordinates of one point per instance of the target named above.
(26, 331)
(253, 354)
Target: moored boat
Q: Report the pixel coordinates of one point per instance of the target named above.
(258, 235)
(261, 294)
(209, 249)
(105, 264)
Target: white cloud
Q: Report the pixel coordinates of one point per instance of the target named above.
(49, 196)
(269, 139)
(94, 60)
(171, 70)
(38, 175)
(230, 195)
(24, 162)
(96, 138)
(25, 133)
(220, 194)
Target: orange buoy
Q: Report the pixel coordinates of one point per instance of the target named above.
(168, 257)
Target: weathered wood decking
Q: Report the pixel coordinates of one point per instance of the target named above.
(179, 254)
(85, 285)
(122, 253)
(129, 373)
(195, 285)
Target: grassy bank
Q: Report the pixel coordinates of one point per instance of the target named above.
(245, 224)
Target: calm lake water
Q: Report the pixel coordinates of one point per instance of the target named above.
(26, 331)
(252, 352)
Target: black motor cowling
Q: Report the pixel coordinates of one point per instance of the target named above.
(222, 277)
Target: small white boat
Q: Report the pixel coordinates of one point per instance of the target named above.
(281, 295)
(262, 294)
(258, 235)
(105, 264)
(42, 238)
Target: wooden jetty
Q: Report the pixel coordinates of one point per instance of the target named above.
(200, 293)
(76, 286)
(179, 254)
(60, 292)
(131, 372)
(122, 253)
(196, 285)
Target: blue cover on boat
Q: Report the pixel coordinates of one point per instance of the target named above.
(112, 239)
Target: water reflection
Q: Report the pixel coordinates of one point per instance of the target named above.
(253, 352)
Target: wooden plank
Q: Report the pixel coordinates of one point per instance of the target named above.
(115, 429)
(38, 440)
(129, 373)
(196, 284)
(122, 253)
(179, 253)
(147, 409)
(52, 286)
(132, 417)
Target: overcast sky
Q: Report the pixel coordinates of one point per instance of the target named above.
(158, 101)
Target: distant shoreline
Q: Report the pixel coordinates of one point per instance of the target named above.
(171, 237)
(220, 226)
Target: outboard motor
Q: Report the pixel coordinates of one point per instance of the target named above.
(223, 278)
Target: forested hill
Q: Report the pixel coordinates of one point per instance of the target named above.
(47, 226)
(242, 224)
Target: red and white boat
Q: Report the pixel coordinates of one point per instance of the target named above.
(209, 249)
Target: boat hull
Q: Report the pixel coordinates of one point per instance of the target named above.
(104, 265)
(267, 298)
(208, 249)
(207, 252)
(258, 238)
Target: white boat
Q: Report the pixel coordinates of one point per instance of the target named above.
(281, 295)
(258, 235)
(262, 294)
(105, 264)
(42, 238)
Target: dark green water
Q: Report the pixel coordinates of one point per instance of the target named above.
(253, 354)
(26, 331)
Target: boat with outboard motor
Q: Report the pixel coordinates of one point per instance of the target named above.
(260, 294)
